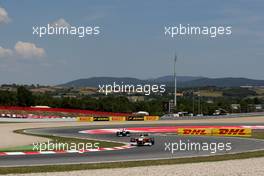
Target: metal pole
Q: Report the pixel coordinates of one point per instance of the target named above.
(175, 83)
(198, 111)
(193, 102)
(199, 105)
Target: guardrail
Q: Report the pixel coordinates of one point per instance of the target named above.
(118, 118)
(81, 118)
(169, 117)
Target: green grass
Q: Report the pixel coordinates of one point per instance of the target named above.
(257, 135)
(11, 122)
(17, 149)
(210, 93)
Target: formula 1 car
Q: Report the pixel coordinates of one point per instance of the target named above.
(142, 140)
(123, 133)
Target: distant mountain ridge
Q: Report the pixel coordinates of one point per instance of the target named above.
(170, 78)
(95, 81)
(224, 82)
(182, 81)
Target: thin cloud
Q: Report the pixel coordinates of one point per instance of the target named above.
(60, 23)
(4, 18)
(4, 52)
(95, 16)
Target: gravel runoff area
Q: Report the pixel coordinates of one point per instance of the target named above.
(11, 139)
(244, 167)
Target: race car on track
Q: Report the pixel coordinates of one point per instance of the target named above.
(142, 140)
(123, 133)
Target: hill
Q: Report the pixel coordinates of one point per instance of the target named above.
(223, 82)
(182, 81)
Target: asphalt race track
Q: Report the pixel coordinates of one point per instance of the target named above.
(156, 151)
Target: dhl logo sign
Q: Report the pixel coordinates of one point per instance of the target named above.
(151, 118)
(85, 119)
(194, 131)
(118, 118)
(232, 132)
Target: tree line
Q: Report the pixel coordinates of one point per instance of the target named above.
(153, 105)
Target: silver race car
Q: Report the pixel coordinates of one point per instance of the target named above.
(123, 133)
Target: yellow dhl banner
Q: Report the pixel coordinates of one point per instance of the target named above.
(195, 131)
(84, 119)
(232, 132)
(216, 131)
(117, 118)
(151, 118)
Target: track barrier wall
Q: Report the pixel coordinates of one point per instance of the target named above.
(118, 118)
(232, 132)
(151, 118)
(135, 118)
(84, 119)
(101, 118)
(195, 131)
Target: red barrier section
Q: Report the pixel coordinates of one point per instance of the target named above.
(79, 111)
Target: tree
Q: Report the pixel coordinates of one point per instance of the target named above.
(24, 97)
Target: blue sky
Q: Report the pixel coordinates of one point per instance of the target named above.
(132, 41)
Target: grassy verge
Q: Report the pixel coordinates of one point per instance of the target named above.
(258, 135)
(57, 139)
(17, 149)
(11, 122)
(64, 168)
(72, 167)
